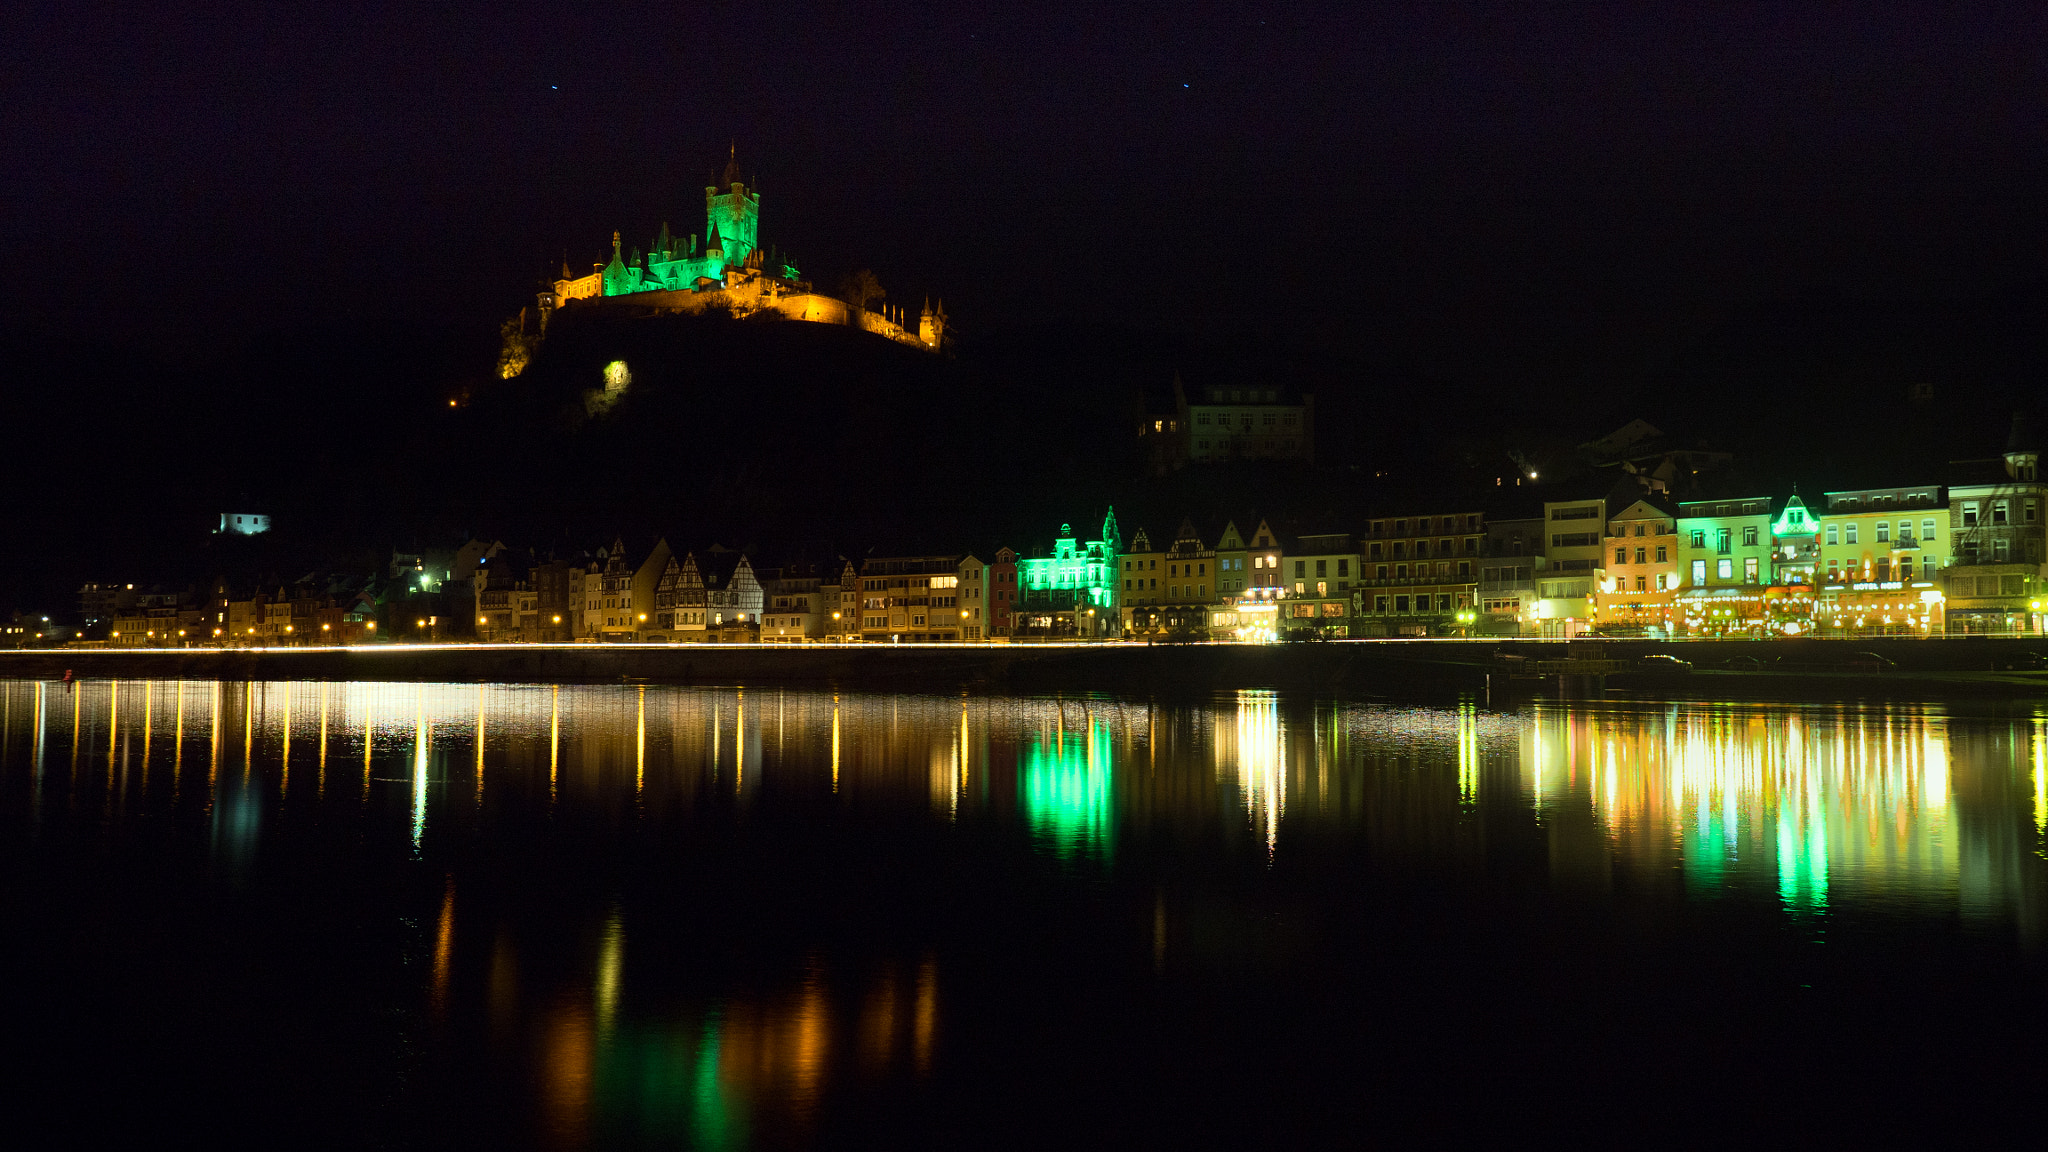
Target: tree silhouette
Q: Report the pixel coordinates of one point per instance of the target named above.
(862, 289)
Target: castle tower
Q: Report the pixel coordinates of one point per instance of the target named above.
(734, 213)
(616, 279)
(931, 325)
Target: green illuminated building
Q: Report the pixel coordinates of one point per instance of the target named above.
(1073, 592)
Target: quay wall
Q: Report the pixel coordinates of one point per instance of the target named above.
(1924, 669)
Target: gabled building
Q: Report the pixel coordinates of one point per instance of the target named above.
(679, 602)
(1642, 571)
(732, 594)
(608, 609)
(1251, 610)
(1138, 574)
(1181, 587)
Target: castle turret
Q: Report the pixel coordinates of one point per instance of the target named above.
(734, 213)
(615, 275)
(931, 325)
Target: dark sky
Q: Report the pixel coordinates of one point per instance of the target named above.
(1545, 189)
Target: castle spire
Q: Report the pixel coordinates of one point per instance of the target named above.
(732, 165)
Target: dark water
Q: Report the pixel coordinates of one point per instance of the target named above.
(373, 914)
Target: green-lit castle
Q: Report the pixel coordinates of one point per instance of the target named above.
(728, 269)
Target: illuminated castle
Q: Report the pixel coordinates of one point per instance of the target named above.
(728, 269)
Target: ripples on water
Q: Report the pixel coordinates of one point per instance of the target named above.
(573, 916)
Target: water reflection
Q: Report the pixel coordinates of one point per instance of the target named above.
(1815, 805)
(610, 994)
(1066, 784)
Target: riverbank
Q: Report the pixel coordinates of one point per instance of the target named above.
(1913, 669)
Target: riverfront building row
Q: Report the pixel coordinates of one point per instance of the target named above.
(1613, 555)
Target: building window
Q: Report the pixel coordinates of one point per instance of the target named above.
(1724, 569)
(1749, 569)
(1400, 603)
(1621, 555)
(1969, 513)
(1884, 531)
(2031, 514)
(1699, 538)
(1905, 567)
(1849, 532)
(1465, 568)
(1642, 555)
(1699, 573)
(1642, 583)
(2001, 550)
(1662, 556)
(1322, 568)
(1721, 541)
(1834, 537)
(1998, 512)
(1749, 536)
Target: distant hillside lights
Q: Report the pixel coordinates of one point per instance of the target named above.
(727, 270)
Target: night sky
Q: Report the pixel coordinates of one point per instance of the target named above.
(1528, 190)
(1506, 202)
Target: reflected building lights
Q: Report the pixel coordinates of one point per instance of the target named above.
(482, 704)
(2041, 781)
(1066, 782)
(1727, 791)
(611, 951)
(420, 740)
(1813, 814)
(444, 950)
(1468, 753)
(1258, 754)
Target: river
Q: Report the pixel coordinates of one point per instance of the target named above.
(621, 916)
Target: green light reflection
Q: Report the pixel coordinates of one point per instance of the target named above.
(1066, 778)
